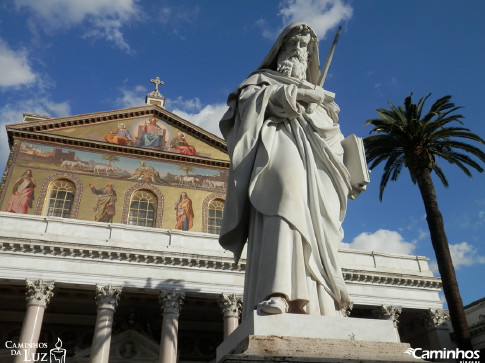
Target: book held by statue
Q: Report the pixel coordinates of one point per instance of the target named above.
(355, 161)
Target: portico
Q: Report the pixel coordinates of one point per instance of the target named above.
(77, 257)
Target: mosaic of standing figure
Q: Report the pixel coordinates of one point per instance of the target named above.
(23, 193)
(104, 209)
(184, 212)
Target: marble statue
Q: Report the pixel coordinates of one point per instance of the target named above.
(287, 186)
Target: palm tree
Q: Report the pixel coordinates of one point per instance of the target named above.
(110, 158)
(403, 137)
(187, 169)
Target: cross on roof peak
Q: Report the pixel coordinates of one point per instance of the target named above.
(155, 97)
(157, 83)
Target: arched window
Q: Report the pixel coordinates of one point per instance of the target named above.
(143, 209)
(215, 212)
(60, 199)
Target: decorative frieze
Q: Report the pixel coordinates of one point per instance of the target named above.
(433, 318)
(389, 312)
(107, 297)
(39, 292)
(231, 305)
(172, 300)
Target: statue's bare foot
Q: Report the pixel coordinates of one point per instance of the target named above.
(274, 305)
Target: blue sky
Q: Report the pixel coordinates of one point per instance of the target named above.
(69, 57)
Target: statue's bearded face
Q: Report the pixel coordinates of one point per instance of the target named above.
(293, 56)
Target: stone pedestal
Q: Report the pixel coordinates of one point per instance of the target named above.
(305, 338)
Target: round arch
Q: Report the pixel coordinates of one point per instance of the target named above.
(45, 187)
(151, 188)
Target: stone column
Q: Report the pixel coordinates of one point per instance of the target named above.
(171, 301)
(231, 306)
(107, 298)
(390, 312)
(437, 331)
(38, 295)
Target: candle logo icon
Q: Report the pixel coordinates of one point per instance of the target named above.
(58, 354)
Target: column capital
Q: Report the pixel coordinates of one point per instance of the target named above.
(172, 300)
(433, 318)
(231, 305)
(389, 312)
(39, 292)
(107, 297)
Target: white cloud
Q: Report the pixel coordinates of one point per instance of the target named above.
(481, 217)
(131, 97)
(179, 14)
(322, 15)
(13, 113)
(179, 103)
(464, 254)
(382, 241)
(15, 69)
(104, 18)
(207, 117)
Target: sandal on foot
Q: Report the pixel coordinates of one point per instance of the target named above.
(274, 305)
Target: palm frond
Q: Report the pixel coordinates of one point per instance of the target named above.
(439, 172)
(402, 135)
(394, 161)
(449, 144)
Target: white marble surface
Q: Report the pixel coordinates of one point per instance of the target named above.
(82, 253)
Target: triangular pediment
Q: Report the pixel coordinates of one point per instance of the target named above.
(127, 346)
(140, 129)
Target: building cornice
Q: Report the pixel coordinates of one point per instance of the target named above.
(178, 259)
(383, 278)
(119, 255)
(477, 328)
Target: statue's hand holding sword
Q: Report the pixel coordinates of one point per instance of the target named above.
(323, 74)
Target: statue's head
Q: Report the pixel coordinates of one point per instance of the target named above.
(295, 53)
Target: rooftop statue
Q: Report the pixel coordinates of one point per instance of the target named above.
(288, 185)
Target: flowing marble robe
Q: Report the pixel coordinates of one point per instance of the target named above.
(287, 192)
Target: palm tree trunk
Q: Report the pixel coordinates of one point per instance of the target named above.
(443, 257)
